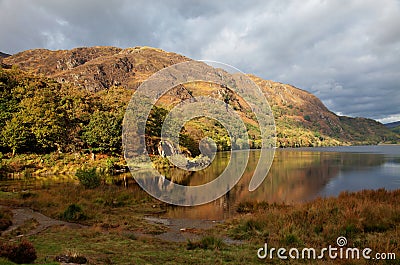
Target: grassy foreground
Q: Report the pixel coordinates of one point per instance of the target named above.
(115, 231)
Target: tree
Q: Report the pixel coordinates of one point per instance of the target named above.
(48, 121)
(155, 121)
(103, 133)
(16, 135)
(8, 101)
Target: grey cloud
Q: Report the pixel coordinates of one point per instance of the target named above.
(346, 52)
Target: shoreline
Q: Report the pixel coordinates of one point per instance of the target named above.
(67, 163)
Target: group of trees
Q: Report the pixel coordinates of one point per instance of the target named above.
(40, 115)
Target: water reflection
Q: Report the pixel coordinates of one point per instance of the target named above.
(301, 175)
(165, 189)
(296, 175)
(16, 183)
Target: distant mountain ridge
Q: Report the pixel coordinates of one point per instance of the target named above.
(301, 118)
(4, 55)
(392, 124)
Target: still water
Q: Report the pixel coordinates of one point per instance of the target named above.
(300, 175)
(296, 175)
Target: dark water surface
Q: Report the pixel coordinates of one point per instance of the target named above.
(303, 174)
(296, 175)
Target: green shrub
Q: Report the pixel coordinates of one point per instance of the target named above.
(248, 229)
(89, 178)
(307, 117)
(349, 230)
(290, 239)
(110, 166)
(207, 242)
(74, 212)
(318, 229)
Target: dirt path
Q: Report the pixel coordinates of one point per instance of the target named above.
(23, 215)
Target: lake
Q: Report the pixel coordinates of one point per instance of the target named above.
(299, 175)
(296, 175)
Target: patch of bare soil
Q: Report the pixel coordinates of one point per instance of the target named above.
(182, 230)
(22, 216)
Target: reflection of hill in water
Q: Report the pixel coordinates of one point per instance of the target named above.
(294, 176)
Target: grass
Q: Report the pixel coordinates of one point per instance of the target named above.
(117, 248)
(366, 219)
(56, 163)
(207, 242)
(27, 226)
(4, 261)
(105, 206)
(118, 234)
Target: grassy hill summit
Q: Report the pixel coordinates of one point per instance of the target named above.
(71, 100)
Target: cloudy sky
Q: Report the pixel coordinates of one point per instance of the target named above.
(346, 52)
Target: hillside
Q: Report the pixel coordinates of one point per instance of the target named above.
(96, 68)
(396, 129)
(90, 87)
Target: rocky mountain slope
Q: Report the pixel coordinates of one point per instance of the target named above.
(96, 68)
(301, 118)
